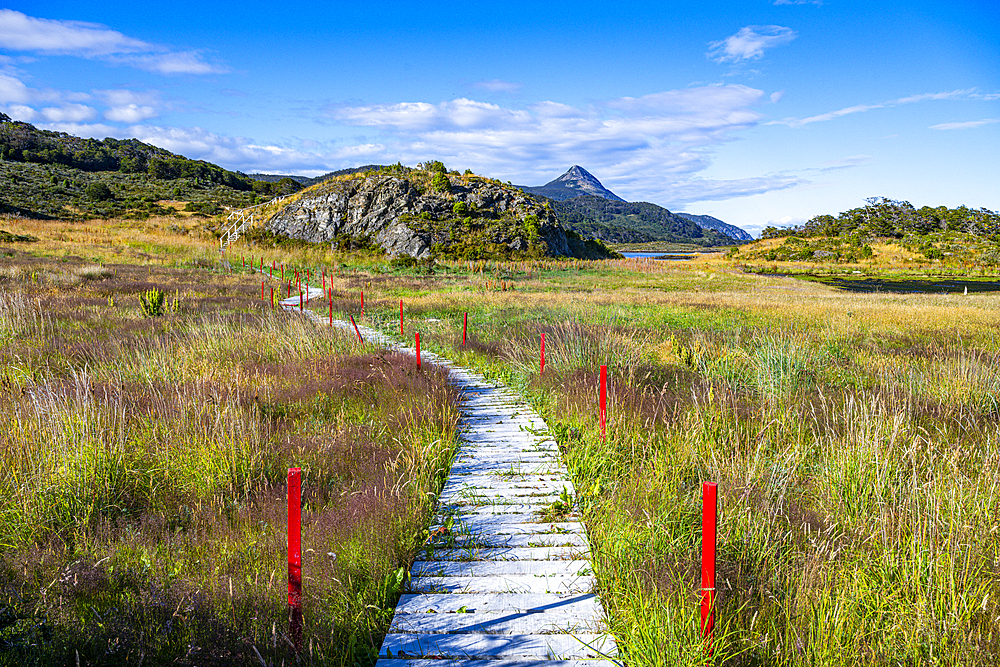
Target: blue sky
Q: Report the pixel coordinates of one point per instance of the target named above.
(762, 112)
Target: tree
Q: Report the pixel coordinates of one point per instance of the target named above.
(98, 192)
(440, 182)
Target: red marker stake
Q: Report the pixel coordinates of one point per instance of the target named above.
(300, 300)
(418, 350)
(244, 260)
(709, 523)
(331, 312)
(295, 556)
(604, 400)
(289, 289)
(541, 369)
(362, 303)
(400, 317)
(465, 327)
(261, 290)
(272, 298)
(356, 330)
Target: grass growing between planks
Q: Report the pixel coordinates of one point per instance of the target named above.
(143, 462)
(854, 438)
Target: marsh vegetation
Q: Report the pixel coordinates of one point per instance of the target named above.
(854, 439)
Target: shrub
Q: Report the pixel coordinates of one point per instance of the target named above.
(440, 182)
(98, 192)
(152, 302)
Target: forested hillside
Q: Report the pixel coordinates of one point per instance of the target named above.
(631, 222)
(56, 175)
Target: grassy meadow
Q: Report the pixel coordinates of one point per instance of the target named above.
(144, 457)
(854, 438)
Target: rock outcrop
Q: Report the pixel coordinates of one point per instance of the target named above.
(399, 210)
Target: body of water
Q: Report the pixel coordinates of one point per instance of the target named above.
(670, 256)
(903, 286)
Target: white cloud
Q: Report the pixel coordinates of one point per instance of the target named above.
(650, 146)
(749, 43)
(498, 86)
(130, 113)
(93, 130)
(818, 3)
(69, 113)
(13, 90)
(966, 125)
(20, 32)
(20, 112)
(242, 154)
(861, 108)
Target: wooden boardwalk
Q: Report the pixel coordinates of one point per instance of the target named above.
(505, 580)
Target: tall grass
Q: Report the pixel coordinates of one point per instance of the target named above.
(857, 474)
(142, 477)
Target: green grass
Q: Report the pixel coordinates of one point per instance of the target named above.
(853, 450)
(143, 462)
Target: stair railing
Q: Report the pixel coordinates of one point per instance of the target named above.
(240, 218)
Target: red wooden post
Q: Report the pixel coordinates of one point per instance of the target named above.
(400, 317)
(261, 290)
(295, 556)
(418, 349)
(362, 303)
(331, 312)
(356, 330)
(244, 260)
(289, 289)
(300, 299)
(604, 400)
(709, 523)
(272, 272)
(541, 368)
(465, 327)
(272, 298)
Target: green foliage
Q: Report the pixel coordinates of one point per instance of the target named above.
(631, 222)
(152, 302)
(883, 217)
(98, 192)
(440, 182)
(460, 208)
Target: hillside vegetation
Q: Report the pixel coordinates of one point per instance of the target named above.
(885, 231)
(632, 222)
(48, 174)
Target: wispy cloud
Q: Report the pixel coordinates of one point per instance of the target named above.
(244, 154)
(818, 3)
(498, 86)
(861, 108)
(647, 147)
(20, 32)
(749, 43)
(965, 125)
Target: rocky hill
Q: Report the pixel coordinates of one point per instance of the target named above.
(427, 212)
(708, 222)
(576, 182)
(576, 196)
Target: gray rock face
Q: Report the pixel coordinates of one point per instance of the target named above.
(398, 217)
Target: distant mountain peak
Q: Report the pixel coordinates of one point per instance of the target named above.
(576, 182)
